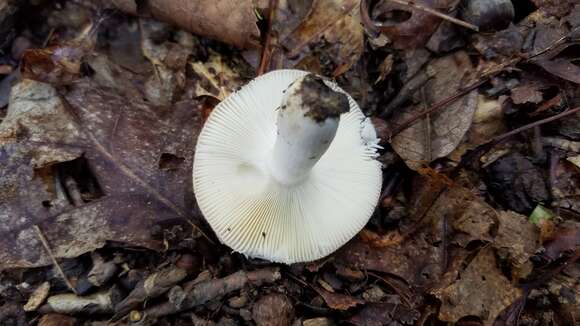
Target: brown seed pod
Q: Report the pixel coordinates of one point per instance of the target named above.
(488, 15)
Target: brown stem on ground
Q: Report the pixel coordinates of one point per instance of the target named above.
(209, 290)
(267, 48)
(46, 246)
(482, 149)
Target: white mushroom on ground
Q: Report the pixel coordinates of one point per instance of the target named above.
(285, 168)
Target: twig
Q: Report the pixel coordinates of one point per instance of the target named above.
(266, 49)
(434, 12)
(44, 242)
(210, 290)
(507, 135)
(482, 80)
(437, 106)
(482, 149)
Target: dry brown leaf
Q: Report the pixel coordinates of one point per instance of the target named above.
(563, 68)
(169, 60)
(405, 26)
(414, 260)
(117, 145)
(488, 122)
(565, 239)
(274, 309)
(438, 135)
(338, 301)
(56, 320)
(468, 214)
(214, 78)
(517, 240)
(37, 297)
(331, 32)
(481, 291)
(379, 314)
(527, 93)
(205, 18)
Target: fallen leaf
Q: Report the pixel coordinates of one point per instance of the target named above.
(481, 291)
(37, 297)
(488, 122)
(115, 145)
(59, 64)
(517, 240)
(214, 77)
(527, 93)
(415, 260)
(438, 135)
(539, 214)
(566, 238)
(470, 216)
(205, 18)
(56, 320)
(338, 301)
(556, 8)
(516, 183)
(406, 26)
(563, 68)
(169, 60)
(274, 309)
(331, 32)
(379, 314)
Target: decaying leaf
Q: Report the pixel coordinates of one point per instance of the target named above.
(205, 18)
(37, 297)
(68, 303)
(405, 26)
(563, 68)
(214, 78)
(169, 60)
(378, 314)
(517, 240)
(57, 320)
(440, 133)
(414, 260)
(470, 216)
(339, 301)
(515, 182)
(565, 239)
(482, 291)
(112, 146)
(59, 64)
(333, 29)
(273, 310)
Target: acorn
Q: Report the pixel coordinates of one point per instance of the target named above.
(488, 15)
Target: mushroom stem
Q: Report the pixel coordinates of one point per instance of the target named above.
(308, 119)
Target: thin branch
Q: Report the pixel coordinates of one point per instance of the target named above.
(434, 12)
(482, 149)
(266, 49)
(46, 246)
(437, 106)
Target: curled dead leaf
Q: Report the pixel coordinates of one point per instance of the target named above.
(338, 301)
(406, 26)
(482, 291)
(440, 133)
(205, 18)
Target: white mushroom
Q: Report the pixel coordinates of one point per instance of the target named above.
(285, 168)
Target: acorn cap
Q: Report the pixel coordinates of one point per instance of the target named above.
(253, 213)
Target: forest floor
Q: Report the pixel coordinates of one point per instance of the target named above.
(478, 111)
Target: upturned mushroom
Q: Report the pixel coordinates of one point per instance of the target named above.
(285, 168)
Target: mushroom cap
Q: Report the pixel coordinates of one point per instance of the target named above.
(254, 214)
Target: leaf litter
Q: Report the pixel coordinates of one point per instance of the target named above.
(101, 103)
